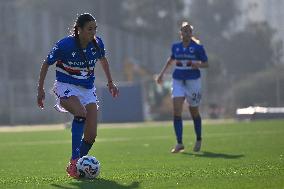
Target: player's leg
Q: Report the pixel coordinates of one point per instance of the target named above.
(90, 131)
(197, 127)
(73, 105)
(68, 97)
(177, 121)
(193, 99)
(177, 117)
(88, 97)
(178, 94)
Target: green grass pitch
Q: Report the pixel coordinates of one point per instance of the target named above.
(234, 155)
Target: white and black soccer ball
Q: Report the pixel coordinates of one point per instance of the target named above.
(88, 167)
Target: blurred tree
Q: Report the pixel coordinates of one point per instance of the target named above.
(234, 53)
(241, 52)
(264, 88)
(252, 50)
(154, 19)
(212, 19)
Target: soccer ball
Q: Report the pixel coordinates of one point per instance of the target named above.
(88, 167)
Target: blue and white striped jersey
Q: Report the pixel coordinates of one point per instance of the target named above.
(72, 66)
(184, 57)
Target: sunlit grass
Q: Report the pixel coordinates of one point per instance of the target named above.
(234, 155)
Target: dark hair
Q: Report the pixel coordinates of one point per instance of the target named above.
(80, 22)
(185, 24)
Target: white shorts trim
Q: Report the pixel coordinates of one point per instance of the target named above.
(190, 89)
(65, 90)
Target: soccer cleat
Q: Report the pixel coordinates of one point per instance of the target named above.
(71, 169)
(197, 146)
(178, 148)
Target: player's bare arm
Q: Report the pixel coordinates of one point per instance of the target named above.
(40, 88)
(169, 62)
(111, 86)
(199, 64)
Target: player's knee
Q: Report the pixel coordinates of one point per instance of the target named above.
(177, 109)
(195, 115)
(80, 119)
(177, 118)
(81, 113)
(177, 113)
(194, 112)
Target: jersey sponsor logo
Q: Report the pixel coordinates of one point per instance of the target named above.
(75, 64)
(73, 54)
(185, 56)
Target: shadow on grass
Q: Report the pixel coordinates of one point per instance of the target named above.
(214, 155)
(96, 183)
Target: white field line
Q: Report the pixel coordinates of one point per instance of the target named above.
(31, 128)
(141, 138)
(117, 139)
(53, 127)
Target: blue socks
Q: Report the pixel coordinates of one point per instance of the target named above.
(197, 127)
(85, 148)
(178, 128)
(80, 147)
(77, 133)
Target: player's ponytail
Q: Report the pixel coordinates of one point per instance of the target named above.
(97, 48)
(77, 40)
(193, 38)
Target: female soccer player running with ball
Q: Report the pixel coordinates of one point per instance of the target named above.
(75, 57)
(187, 56)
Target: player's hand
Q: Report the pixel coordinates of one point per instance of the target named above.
(159, 79)
(113, 89)
(40, 97)
(195, 64)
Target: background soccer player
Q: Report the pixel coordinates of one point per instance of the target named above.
(75, 57)
(187, 56)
